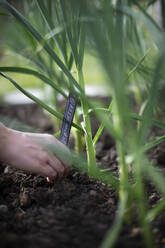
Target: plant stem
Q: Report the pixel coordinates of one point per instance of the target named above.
(141, 203)
(99, 131)
(113, 233)
(119, 123)
(123, 168)
(124, 182)
(91, 156)
(79, 141)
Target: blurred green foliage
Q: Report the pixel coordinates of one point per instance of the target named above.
(124, 48)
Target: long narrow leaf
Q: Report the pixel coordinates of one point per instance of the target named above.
(37, 100)
(155, 211)
(154, 122)
(156, 176)
(138, 64)
(71, 39)
(49, 23)
(153, 143)
(104, 119)
(40, 39)
(135, 116)
(148, 111)
(149, 22)
(34, 73)
(99, 131)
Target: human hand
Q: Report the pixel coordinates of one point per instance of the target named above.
(29, 152)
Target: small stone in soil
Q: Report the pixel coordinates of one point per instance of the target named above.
(25, 200)
(93, 193)
(106, 158)
(152, 197)
(155, 230)
(3, 209)
(75, 174)
(20, 214)
(163, 240)
(15, 203)
(111, 201)
(135, 231)
(7, 170)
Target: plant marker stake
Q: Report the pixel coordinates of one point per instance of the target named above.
(66, 123)
(67, 120)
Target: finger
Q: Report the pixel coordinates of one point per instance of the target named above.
(48, 171)
(67, 169)
(56, 164)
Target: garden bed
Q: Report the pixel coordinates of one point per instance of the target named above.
(74, 212)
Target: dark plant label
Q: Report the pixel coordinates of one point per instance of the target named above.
(68, 118)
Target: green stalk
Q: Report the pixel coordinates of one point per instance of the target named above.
(119, 123)
(113, 233)
(79, 139)
(141, 203)
(91, 155)
(53, 98)
(99, 131)
(123, 168)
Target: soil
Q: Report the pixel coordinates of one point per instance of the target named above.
(75, 212)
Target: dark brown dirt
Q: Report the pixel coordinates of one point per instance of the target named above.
(75, 212)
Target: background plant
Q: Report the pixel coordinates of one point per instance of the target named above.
(125, 38)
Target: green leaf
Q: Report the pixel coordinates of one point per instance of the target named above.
(99, 131)
(138, 63)
(34, 73)
(37, 100)
(47, 18)
(132, 115)
(153, 143)
(104, 119)
(32, 97)
(40, 39)
(156, 176)
(143, 70)
(98, 109)
(67, 22)
(160, 206)
(154, 122)
(57, 134)
(81, 47)
(148, 111)
(3, 13)
(149, 22)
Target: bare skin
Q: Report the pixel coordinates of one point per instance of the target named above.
(29, 152)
